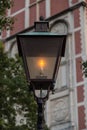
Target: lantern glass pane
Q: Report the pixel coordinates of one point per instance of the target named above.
(41, 93)
(41, 54)
(41, 67)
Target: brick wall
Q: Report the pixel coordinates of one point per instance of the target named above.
(58, 6)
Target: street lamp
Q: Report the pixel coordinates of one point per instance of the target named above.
(41, 52)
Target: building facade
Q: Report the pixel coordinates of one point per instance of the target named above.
(67, 108)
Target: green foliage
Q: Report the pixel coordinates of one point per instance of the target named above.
(84, 67)
(15, 98)
(46, 128)
(5, 4)
(5, 22)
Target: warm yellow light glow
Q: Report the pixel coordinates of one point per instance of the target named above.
(41, 64)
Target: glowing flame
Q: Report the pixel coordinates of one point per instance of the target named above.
(41, 68)
(41, 64)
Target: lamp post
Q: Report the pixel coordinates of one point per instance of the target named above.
(41, 52)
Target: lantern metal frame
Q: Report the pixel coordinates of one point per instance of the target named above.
(41, 30)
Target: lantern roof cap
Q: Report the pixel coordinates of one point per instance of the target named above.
(41, 34)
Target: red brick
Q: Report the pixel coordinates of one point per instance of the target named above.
(32, 1)
(58, 6)
(81, 118)
(32, 15)
(4, 34)
(79, 74)
(19, 23)
(74, 1)
(17, 5)
(77, 42)
(42, 9)
(76, 14)
(80, 94)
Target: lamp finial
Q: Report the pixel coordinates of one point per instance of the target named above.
(41, 18)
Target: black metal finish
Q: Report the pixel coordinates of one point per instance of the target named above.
(40, 120)
(45, 49)
(52, 46)
(42, 26)
(42, 84)
(41, 102)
